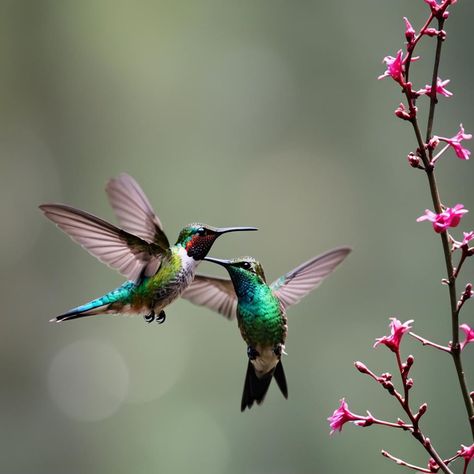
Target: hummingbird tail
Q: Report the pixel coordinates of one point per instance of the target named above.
(79, 313)
(256, 388)
(109, 303)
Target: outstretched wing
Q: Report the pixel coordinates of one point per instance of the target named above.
(115, 247)
(134, 210)
(293, 286)
(216, 294)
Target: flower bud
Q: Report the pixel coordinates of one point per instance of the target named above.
(361, 367)
(386, 376)
(409, 31)
(433, 143)
(401, 112)
(422, 411)
(431, 32)
(413, 160)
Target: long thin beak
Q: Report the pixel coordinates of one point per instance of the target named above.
(224, 230)
(224, 263)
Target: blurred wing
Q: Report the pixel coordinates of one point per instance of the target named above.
(115, 247)
(134, 210)
(216, 294)
(293, 286)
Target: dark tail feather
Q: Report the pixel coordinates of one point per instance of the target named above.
(280, 378)
(78, 313)
(256, 388)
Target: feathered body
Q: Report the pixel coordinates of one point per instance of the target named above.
(260, 310)
(147, 294)
(261, 319)
(157, 272)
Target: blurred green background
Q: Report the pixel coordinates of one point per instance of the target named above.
(231, 113)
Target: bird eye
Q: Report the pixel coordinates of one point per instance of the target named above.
(201, 232)
(246, 265)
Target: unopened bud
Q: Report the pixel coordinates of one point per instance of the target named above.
(432, 465)
(386, 376)
(409, 31)
(413, 160)
(362, 368)
(402, 113)
(422, 411)
(389, 387)
(433, 143)
(431, 32)
(409, 383)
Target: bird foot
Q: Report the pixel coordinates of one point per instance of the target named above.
(279, 349)
(161, 318)
(149, 318)
(252, 353)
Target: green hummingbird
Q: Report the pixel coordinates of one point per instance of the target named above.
(261, 311)
(157, 272)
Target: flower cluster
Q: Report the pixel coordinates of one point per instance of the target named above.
(425, 157)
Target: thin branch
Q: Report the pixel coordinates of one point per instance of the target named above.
(403, 463)
(426, 342)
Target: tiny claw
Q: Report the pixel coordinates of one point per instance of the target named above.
(279, 349)
(149, 318)
(161, 318)
(252, 353)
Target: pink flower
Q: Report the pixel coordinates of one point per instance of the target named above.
(342, 415)
(397, 330)
(468, 236)
(435, 7)
(433, 4)
(455, 143)
(469, 332)
(450, 217)
(467, 452)
(440, 89)
(394, 67)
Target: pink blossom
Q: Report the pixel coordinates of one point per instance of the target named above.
(450, 217)
(455, 143)
(433, 4)
(394, 67)
(397, 330)
(468, 236)
(469, 332)
(467, 452)
(343, 415)
(440, 89)
(435, 7)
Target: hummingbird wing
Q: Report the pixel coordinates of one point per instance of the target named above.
(293, 286)
(134, 210)
(113, 246)
(216, 294)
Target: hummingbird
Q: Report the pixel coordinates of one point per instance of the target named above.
(260, 310)
(156, 271)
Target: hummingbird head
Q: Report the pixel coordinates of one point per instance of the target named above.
(197, 239)
(244, 271)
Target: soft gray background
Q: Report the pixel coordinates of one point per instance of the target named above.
(232, 113)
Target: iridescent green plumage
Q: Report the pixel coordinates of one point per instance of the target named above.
(261, 311)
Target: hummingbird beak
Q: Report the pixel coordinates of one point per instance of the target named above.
(224, 263)
(224, 230)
